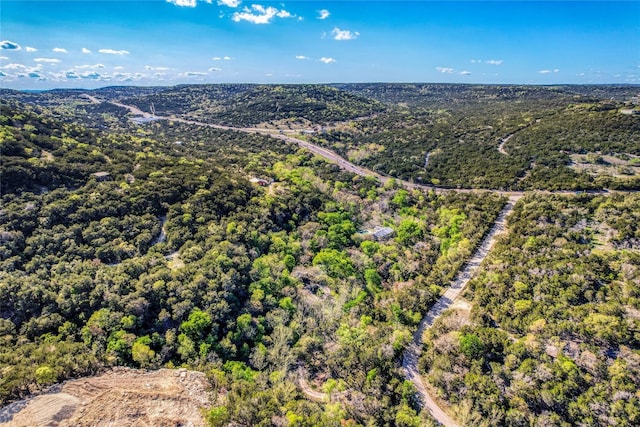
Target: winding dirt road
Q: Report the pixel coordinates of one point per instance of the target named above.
(413, 351)
(503, 141)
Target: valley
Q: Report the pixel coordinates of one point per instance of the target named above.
(153, 245)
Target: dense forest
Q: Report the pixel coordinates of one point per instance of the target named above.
(132, 249)
(177, 244)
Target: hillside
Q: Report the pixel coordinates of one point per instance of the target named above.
(171, 257)
(295, 281)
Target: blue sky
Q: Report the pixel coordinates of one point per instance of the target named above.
(156, 42)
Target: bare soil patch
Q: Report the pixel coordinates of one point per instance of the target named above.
(122, 397)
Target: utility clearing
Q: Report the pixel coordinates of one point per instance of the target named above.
(121, 397)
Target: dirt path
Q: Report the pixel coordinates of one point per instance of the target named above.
(135, 110)
(163, 230)
(316, 395)
(503, 141)
(92, 99)
(413, 351)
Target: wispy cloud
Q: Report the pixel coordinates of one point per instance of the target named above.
(60, 50)
(183, 3)
(445, 70)
(229, 3)
(487, 61)
(47, 60)
(258, 14)
(85, 50)
(95, 67)
(114, 52)
(9, 45)
(327, 60)
(194, 73)
(4, 57)
(215, 69)
(302, 57)
(222, 58)
(150, 68)
(549, 71)
(323, 14)
(30, 49)
(339, 34)
(465, 73)
(118, 67)
(13, 67)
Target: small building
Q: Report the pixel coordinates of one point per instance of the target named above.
(382, 233)
(259, 181)
(102, 176)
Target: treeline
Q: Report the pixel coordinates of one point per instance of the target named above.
(244, 105)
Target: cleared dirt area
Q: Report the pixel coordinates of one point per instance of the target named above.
(599, 164)
(122, 397)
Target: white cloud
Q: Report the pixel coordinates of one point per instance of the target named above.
(194, 73)
(94, 67)
(4, 57)
(327, 60)
(227, 58)
(48, 60)
(494, 61)
(465, 73)
(229, 3)
(323, 14)
(30, 49)
(9, 45)
(476, 61)
(3, 74)
(85, 50)
(35, 75)
(118, 67)
(302, 57)
(60, 50)
(114, 52)
(259, 14)
(215, 69)
(339, 34)
(220, 58)
(149, 67)
(13, 67)
(183, 3)
(445, 70)
(549, 71)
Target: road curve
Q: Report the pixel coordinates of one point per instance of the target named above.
(335, 158)
(413, 351)
(503, 141)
